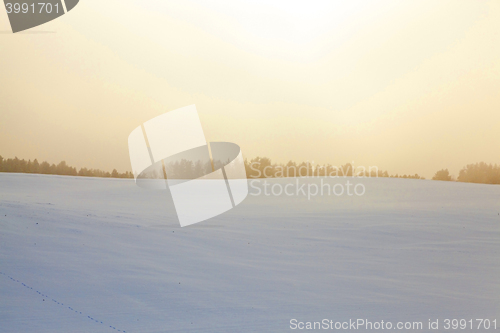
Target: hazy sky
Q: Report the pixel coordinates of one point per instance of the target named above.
(408, 86)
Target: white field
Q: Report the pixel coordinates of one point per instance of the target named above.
(75, 252)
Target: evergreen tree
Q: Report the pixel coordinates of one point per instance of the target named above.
(443, 174)
(36, 166)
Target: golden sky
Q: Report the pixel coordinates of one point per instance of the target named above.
(408, 86)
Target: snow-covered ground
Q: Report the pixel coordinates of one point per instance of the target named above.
(102, 255)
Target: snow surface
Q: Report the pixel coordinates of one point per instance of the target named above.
(103, 255)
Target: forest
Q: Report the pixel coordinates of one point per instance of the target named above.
(262, 167)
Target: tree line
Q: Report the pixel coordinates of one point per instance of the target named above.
(255, 168)
(473, 173)
(262, 167)
(258, 167)
(23, 166)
